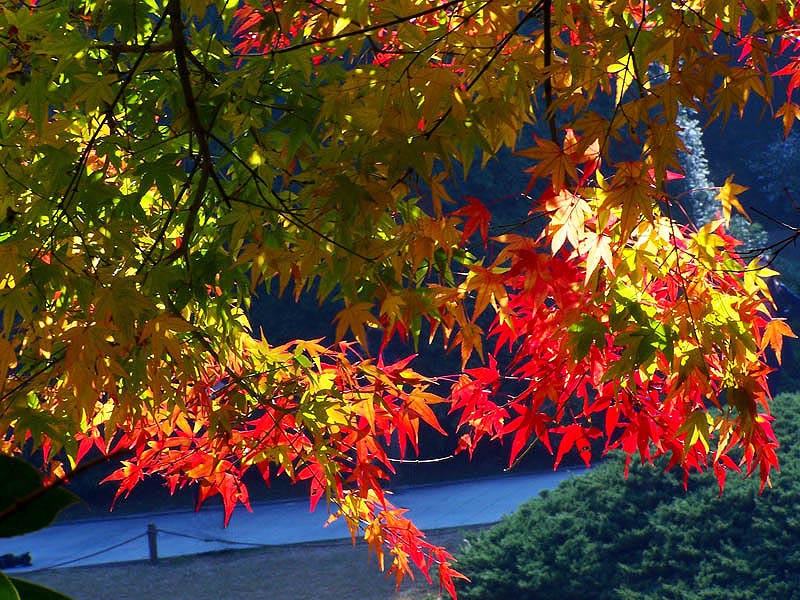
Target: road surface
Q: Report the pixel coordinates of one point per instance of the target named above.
(119, 539)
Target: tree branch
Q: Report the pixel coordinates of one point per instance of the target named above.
(138, 48)
(548, 59)
(181, 62)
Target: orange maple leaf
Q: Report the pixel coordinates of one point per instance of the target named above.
(774, 332)
(790, 112)
(553, 162)
(354, 318)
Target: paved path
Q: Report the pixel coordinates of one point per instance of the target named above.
(118, 539)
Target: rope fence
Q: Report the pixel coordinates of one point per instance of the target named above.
(93, 554)
(212, 539)
(152, 545)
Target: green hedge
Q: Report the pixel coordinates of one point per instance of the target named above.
(602, 536)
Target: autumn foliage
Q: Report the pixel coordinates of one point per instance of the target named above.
(163, 161)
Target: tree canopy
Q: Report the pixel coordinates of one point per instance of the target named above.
(161, 161)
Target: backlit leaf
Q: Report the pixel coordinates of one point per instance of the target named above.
(727, 195)
(775, 331)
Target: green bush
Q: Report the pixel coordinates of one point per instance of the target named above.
(602, 536)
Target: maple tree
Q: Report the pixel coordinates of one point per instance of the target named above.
(161, 161)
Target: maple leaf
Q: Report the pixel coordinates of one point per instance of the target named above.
(317, 482)
(354, 318)
(418, 403)
(490, 287)
(478, 218)
(568, 214)
(553, 163)
(577, 436)
(597, 248)
(469, 338)
(528, 424)
(392, 317)
(792, 69)
(697, 429)
(721, 468)
(624, 75)
(486, 376)
(774, 332)
(790, 113)
(631, 191)
(727, 195)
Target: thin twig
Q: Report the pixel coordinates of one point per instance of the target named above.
(357, 32)
(191, 219)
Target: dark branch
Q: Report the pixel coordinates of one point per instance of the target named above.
(117, 49)
(196, 123)
(548, 59)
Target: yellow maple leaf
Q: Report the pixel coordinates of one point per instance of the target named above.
(631, 190)
(624, 75)
(392, 308)
(597, 248)
(727, 196)
(697, 428)
(568, 214)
